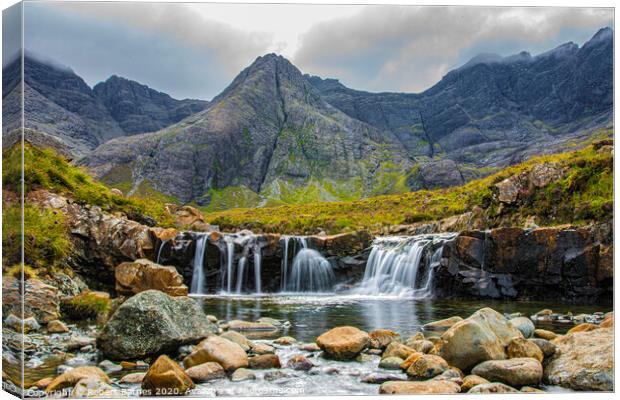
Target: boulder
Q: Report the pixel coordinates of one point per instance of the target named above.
(264, 361)
(224, 352)
(427, 366)
(166, 378)
(262, 348)
(585, 327)
(584, 361)
(523, 348)
(150, 323)
(41, 383)
(206, 372)
(390, 363)
(470, 381)
(524, 325)
(376, 378)
(441, 325)
(496, 323)
(344, 342)
(422, 346)
(285, 341)
(467, 343)
(410, 360)
(381, 338)
(242, 374)
(238, 338)
(424, 387)
(544, 334)
(140, 275)
(608, 322)
(133, 378)
(311, 347)
(39, 300)
(93, 387)
(493, 387)
(478, 338)
(300, 363)
(237, 325)
(548, 349)
(396, 349)
(57, 326)
(72, 377)
(513, 372)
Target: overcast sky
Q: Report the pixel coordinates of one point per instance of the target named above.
(195, 50)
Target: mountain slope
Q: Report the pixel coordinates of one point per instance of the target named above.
(138, 108)
(269, 133)
(58, 102)
(494, 110)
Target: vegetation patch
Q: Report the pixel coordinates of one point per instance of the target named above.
(583, 194)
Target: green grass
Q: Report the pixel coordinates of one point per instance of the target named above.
(584, 194)
(46, 242)
(44, 169)
(87, 305)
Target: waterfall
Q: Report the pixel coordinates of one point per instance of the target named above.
(198, 275)
(394, 263)
(310, 272)
(230, 257)
(283, 275)
(257, 262)
(240, 274)
(163, 243)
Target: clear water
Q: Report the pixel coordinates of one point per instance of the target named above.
(312, 315)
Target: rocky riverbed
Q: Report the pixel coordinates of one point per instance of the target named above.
(157, 344)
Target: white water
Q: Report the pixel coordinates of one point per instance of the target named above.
(198, 275)
(240, 274)
(163, 243)
(310, 272)
(230, 257)
(394, 263)
(284, 272)
(257, 262)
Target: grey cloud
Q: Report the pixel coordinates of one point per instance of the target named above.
(232, 47)
(411, 48)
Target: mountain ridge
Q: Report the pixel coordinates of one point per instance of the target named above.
(275, 136)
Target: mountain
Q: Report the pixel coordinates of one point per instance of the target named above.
(276, 136)
(494, 110)
(269, 133)
(138, 108)
(58, 102)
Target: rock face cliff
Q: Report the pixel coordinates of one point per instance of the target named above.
(573, 264)
(58, 102)
(269, 132)
(138, 108)
(492, 111)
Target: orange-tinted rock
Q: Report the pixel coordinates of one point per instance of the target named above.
(166, 377)
(140, 275)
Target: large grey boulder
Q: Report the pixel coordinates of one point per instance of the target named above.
(152, 322)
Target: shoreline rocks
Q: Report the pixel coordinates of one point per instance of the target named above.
(343, 343)
(150, 323)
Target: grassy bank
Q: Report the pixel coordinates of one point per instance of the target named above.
(584, 193)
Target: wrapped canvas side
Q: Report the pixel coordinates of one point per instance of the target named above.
(13, 288)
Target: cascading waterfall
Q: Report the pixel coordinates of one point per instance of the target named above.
(394, 262)
(284, 273)
(241, 274)
(230, 257)
(163, 243)
(257, 262)
(198, 275)
(310, 271)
